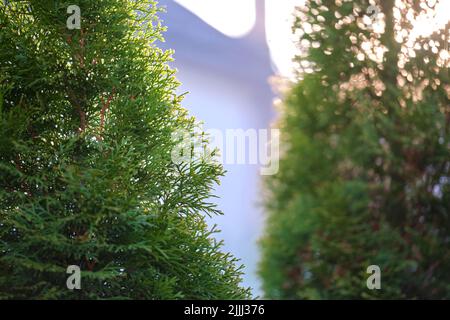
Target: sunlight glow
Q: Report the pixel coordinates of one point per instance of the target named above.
(224, 16)
(280, 39)
(432, 20)
(234, 18)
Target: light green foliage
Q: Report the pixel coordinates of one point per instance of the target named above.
(365, 177)
(86, 176)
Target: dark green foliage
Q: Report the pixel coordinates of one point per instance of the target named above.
(365, 179)
(86, 176)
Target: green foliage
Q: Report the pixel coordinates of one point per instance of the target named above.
(365, 178)
(86, 176)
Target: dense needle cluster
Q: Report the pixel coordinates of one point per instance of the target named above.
(86, 177)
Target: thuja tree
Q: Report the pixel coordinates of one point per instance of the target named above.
(364, 179)
(86, 176)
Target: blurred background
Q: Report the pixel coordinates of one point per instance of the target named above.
(226, 59)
